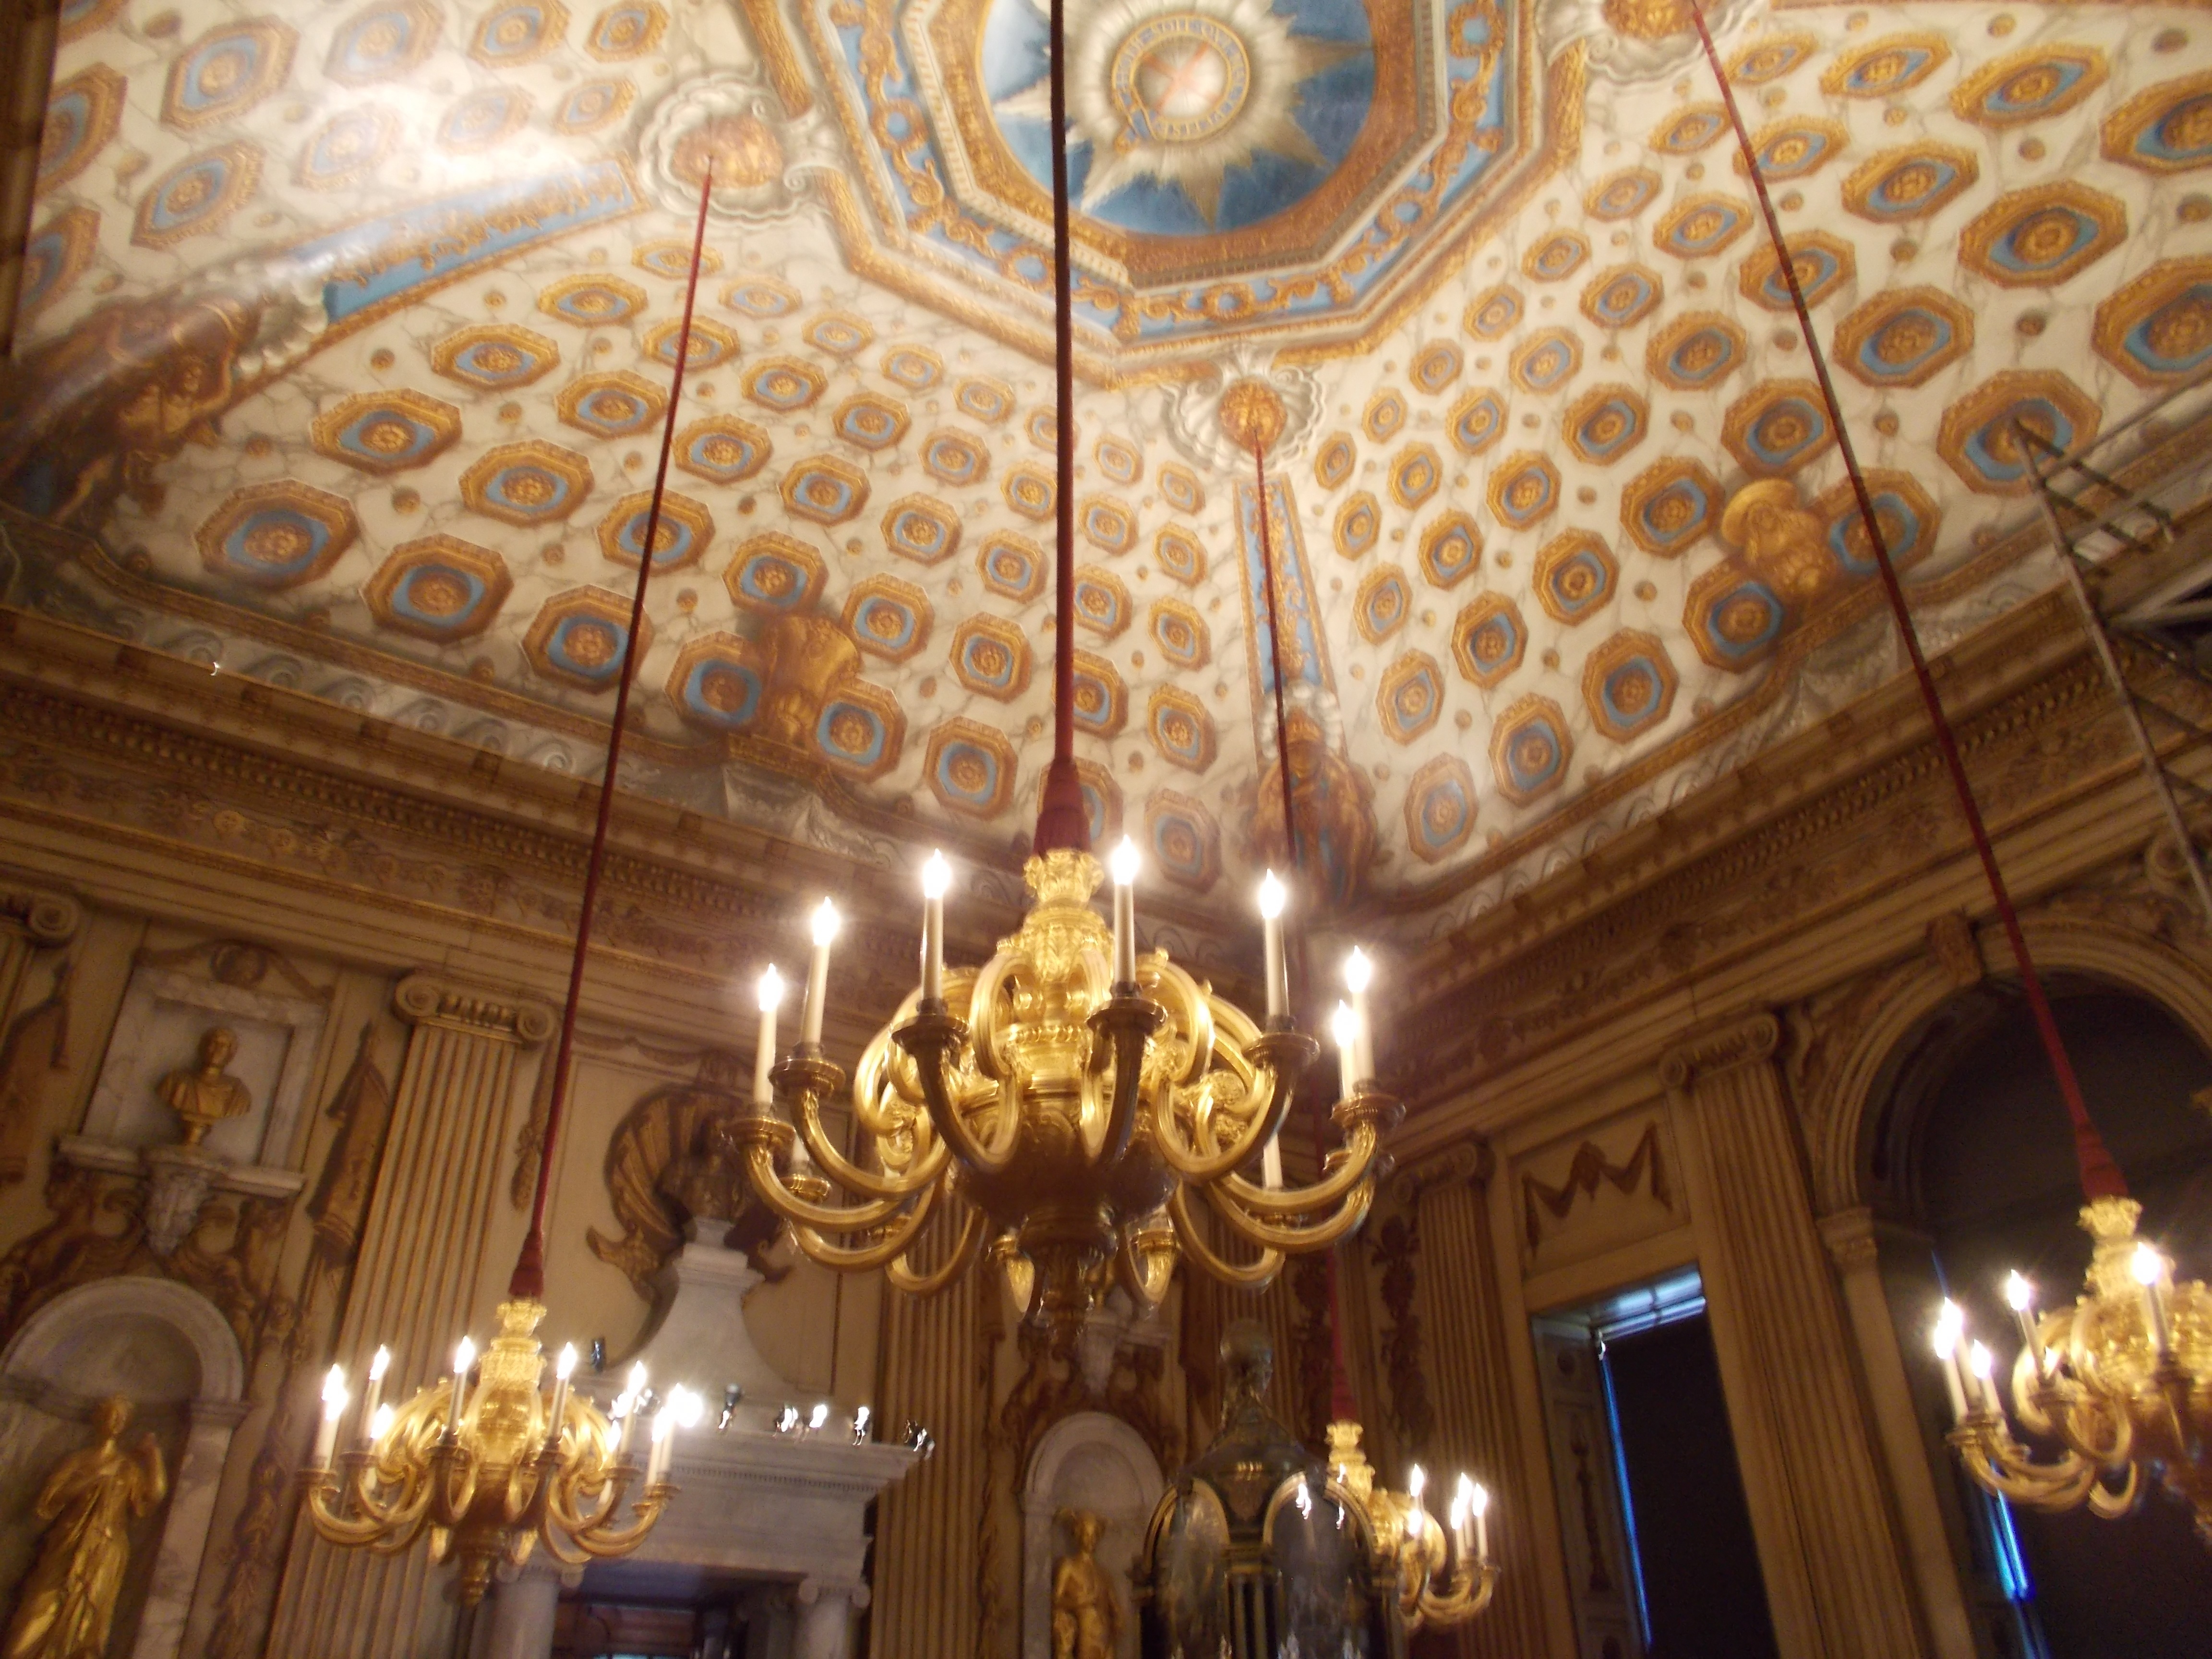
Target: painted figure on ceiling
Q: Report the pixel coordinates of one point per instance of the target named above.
(1779, 541)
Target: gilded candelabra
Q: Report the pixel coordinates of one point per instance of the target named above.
(2120, 1381)
(518, 1463)
(1440, 1582)
(1072, 1100)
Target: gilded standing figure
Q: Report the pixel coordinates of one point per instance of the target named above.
(67, 1602)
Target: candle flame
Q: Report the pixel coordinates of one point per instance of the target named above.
(379, 1365)
(565, 1367)
(1123, 862)
(1342, 1026)
(769, 990)
(1272, 895)
(2018, 1292)
(2148, 1264)
(826, 922)
(936, 876)
(1358, 971)
(464, 1355)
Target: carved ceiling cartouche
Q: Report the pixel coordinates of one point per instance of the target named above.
(346, 333)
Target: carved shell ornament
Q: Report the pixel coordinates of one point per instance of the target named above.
(761, 161)
(1631, 40)
(1209, 419)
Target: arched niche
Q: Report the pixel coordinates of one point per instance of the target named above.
(168, 1350)
(1087, 1461)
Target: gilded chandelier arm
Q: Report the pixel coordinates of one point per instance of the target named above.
(868, 1182)
(1122, 1029)
(933, 1038)
(963, 1251)
(1277, 1058)
(763, 1139)
(866, 1258)
(1250, 1275)
(1294, 1241)
(1347, 1166)
(2003, 1465)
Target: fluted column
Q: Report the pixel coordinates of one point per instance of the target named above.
(934, 1369)
(1854, 1248)
(1836, 1580)
(1456, 1293)
(414, 1287)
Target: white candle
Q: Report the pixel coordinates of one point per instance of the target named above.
(1417, 1484)
(1980, 1365)
(936, 877)
(1271, 1163)
(374, 1392)
(1462, 1512)
(817, 975)
(664, 1425)
(769, 995)
(1340, 1026)
(563, 1368)
(1358, 974)
(1123, 864)
(1276, 970)
(334, 1405)
(464, 1355)
(2022, 1296)
(2150, 1273)
(1479, 1501)
(635, 1397)
(1950, 1324)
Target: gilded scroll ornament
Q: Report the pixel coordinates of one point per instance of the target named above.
(67, 1599)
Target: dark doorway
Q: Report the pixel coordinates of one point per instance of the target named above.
(1703, 1595)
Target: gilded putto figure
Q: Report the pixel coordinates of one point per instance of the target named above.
(67, 1599)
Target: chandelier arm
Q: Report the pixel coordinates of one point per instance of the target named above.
(1124, 1026)
(332, 1523)
(1470, 1594)
(598, 1543)
(2077, 1435)
(1248, 1276)
(933, 1038)
(1294, 1241)
(866, 1182)
(2110, 1504)
(1144, 1285)
(2003, 1466)
(615, 1483)
(1278, 1060)
(866, 1258)
(963, 1251)
(760, 1164)
(1348, 1166)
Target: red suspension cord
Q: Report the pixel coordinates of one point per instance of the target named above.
(1062, 821)
(528, 1280)
(2100, 1177)
(1275, 656)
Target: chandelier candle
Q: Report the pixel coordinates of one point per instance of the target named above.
(1276, 969)
(372, 1396)
(936, 877)
(1123, 865)
(769, 995)
(817, 975)
(1344, 1026)
(1358, 974)
(334, 1405)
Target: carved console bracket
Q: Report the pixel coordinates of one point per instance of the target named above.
(180, 1180)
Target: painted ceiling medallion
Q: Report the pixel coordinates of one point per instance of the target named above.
(758, 156)
(2040, 237)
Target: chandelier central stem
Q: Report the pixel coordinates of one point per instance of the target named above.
(1062, 821)
(2100, 1177)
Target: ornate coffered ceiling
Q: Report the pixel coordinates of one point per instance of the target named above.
(346, 334)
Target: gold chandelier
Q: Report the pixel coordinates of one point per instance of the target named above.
(2120, 1381)
(490, 1468)
(1072, 1099)
(1439, 1583)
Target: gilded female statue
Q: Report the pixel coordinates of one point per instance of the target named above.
(68, 1598)
(1086, 1620)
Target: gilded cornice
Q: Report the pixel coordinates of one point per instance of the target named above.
(1804, 834)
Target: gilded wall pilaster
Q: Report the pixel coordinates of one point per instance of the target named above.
(1835, 1579)
(935, 1367)
(1474, 1423)
(414, 1288)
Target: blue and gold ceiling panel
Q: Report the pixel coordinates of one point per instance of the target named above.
(2043, 236)
(1478, 421)
(1605, 423)
(1546, 360)
(991, 657)
(55, 255)
(888, 618)
(1451, 549)
(1690, 130)
(1523, 491)
(1778, 428)
(1122, 463)
(1822, 263)
(1334, 459)
(1670, 506)
(383, 41)
(437, 588)
(1437, 367)
(1109, 524)
(825, 490)
(1886, 67)
(716, 682)
(1734, 618)
(1622, 195)
(987, 401)
(1795, 148)
(1979, 439)
(593, 106)
(1383, 602)
(761, 297)
(1904, 336)
(2157, 331)
(1359, 526)
(630, 28)
(483, 120)
(1102, 603)
(384, 432)
(1628, 685)
(1557, 257)
(1489, 639)
(710, 345)
(494, 356)
(2166, 128)
(915, 368)
(1030, 492)
(1181, 489)
(592, 301)
(671, 258)
(1012, 566)
(954, 457)
(1181, 730)
(530, 483)
(2028, 85)
(1184, 840)
(1180, 555)
(1622, 296)
(346, 151)
(773, 575)
(82, 115)
(197, 196)
(1439, 809)
(785, 385)
(1410, 696)
(1102, 702)
(276, 535)
(1903, 510)
(579, 638)
(1574, 576)
(1695, 352)
(1492, 314)
(1770, 57)
(681, 537)
(227, 71)
(1415, 475)
(517, 32)
(1185, 641)
(921, 528)
(616, 405)
(1384, 416)
(861, 729)
(723, 449)
(839, 333)
(1699, 227)
(1902, 184)
(869, 421)
(1529, 748)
